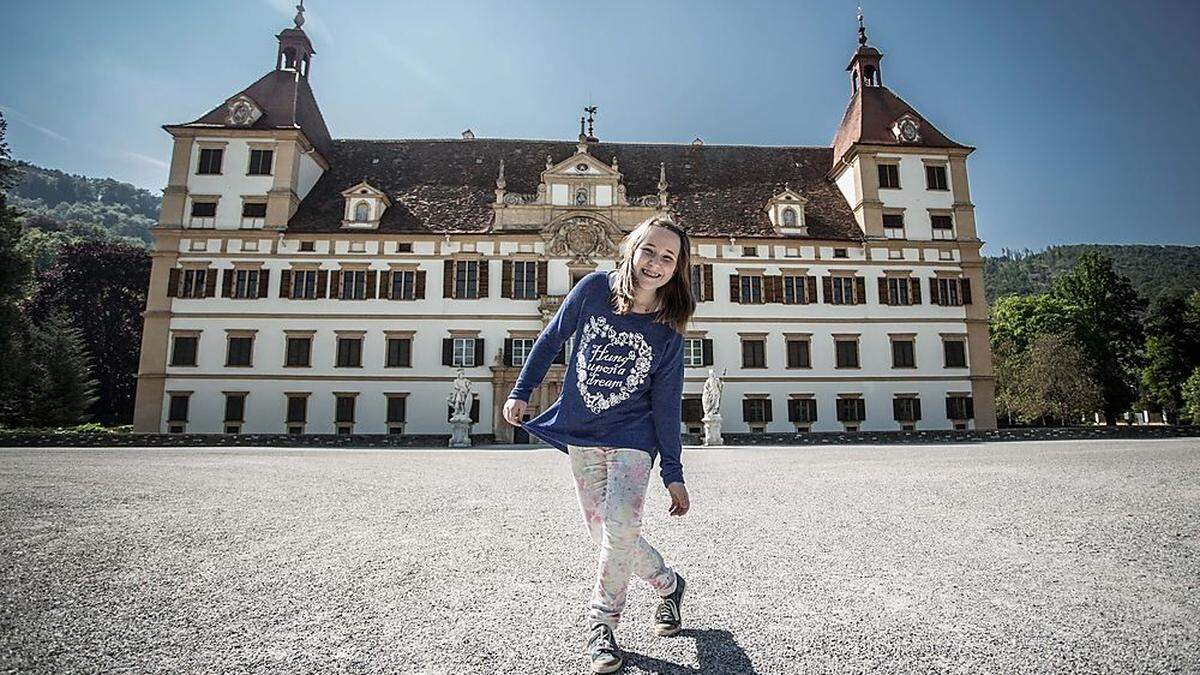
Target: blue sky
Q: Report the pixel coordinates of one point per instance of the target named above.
(1084, 114)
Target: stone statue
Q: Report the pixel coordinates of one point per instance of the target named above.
(711, 398)
(460, 396)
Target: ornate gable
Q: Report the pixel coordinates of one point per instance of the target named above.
(365, 205)
(786, 211)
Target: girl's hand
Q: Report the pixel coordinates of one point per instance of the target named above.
(514, 409)
(679, 499)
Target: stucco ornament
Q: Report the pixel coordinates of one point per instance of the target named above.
(242, 112)
(583, 238)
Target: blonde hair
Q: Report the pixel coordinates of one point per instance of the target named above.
(675, 296)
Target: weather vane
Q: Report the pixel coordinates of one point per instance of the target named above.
(591, 120)
(300, 14)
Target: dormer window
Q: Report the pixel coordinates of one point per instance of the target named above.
(789, 217)
(365, 206)
(786, 212)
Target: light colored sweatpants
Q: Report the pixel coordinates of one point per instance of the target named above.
(611, 484)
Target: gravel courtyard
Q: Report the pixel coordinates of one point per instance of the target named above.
(1004, 557)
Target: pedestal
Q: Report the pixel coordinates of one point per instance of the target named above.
(460, 432)
(712, 429)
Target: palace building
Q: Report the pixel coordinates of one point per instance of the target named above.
(309, 285)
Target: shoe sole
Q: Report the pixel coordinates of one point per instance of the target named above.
(608, 668)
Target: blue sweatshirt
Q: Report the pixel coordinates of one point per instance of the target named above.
(624, 382)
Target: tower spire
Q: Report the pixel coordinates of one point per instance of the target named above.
(299, 20)
(864, 65)
(862, 29)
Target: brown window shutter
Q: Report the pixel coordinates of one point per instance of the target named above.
(543, 272)
(419, 291)
(767, 407)
(322, 283)
(479, 351)
(883, 291)
(827, 289)
(447, 351)
(385, 284)
(914, 287)
(210, 283)
(745, 410)
(335, 284)
(372, 280)
(483, 277)
(264, 282)
(448, 279)
(812, 290)
(707, 282)
(735, 288)
(707, 349)
(285, 283)
(965, 293)
(896, 410)
(226, 283)
(775, 284)
(173, 282)
(506, 278)
(860, 291)
(933, 291)
(916, 410)
(508, 351)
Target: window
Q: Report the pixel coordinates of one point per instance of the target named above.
(943, 226)
(955, 352)
(851, 409)
(903, 353)
(204, 214)
(799, 354)
(935, 177)
(789, 218)
(893, 225)
(693, 352)
(404, 247)
(193, 283)
(260, 162)
(354, 285)
(946, 291)
(464, 352)
(362, 212)
(693, 411)
(751, 289)
(307, 246)
(795, 290)
(466, 278)
(750, 251)
(404, 284)
(299, 352)
(802, 410)
(210, 161)
(581, 197)
(889, 175)
(847, 352)
(178, 409)
(304, 284)
(525, 280)
(239, 350)
(344, 413)
(519, 351)
(756, 410)
(399, 353)
(754, 353)
(843, 290)
(906, 408)
(297, 412)
(397, 414)
(183, 350)
(235, 410)
(245, 284)
(898, 292)
(959, 407)
(253, 214)
(840, 253)
(349, 352)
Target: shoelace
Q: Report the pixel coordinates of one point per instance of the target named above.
(668, 611)
(600, 640)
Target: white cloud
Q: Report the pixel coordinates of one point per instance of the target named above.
(16, 116)
(146, 159)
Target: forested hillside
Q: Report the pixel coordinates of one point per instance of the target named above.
(1153, 270)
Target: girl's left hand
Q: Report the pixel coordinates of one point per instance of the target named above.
(679, 499)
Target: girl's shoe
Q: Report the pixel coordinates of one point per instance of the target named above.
(602, 648)
(668, 620)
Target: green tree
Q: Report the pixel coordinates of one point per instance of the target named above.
(1056, 381)
(1017, 319)
(1105, 309)
(69, 390)
(1191, 397)
(17, 374)
(1172, 349)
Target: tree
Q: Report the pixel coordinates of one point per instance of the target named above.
(17, 374)
(1017, 319)
(1172, 349)
(102, 288)
(1191, 397)
(1055, 380)
(69, 390)
(1007, 362)
(1105, 310)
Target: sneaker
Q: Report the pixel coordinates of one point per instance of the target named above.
(603, 650)
(667, 619)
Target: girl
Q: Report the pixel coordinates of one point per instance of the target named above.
(620, 406)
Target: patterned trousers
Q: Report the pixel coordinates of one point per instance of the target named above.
(611, 484)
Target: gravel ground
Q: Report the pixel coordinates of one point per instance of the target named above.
(1050, 557)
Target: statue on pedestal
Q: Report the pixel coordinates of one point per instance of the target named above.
(711, 400)
(460, 400)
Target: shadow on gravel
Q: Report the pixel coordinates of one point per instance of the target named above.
(716, 651)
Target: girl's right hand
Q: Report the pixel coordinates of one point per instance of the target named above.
(514, 410)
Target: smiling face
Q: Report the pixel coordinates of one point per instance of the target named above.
(655, 259)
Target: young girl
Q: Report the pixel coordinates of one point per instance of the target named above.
(620, 406)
